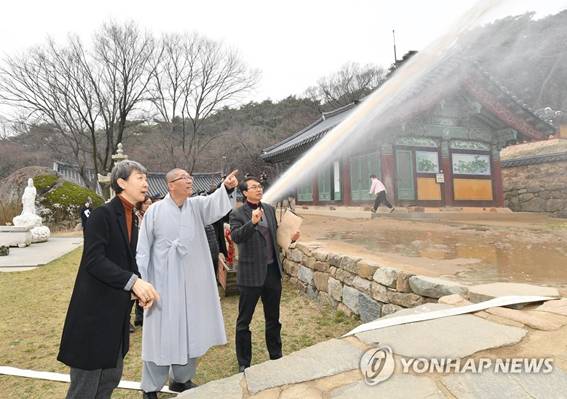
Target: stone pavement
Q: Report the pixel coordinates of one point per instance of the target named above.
(444, 337)
(490, 385)
(331, 369)
(38, 254)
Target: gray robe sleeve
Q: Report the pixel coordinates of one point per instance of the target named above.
(215, 206)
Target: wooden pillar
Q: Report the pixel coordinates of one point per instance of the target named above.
(447, 187)
(388, 167)
(447, 168)
(315, 190)
(345, 177)
(497, 186)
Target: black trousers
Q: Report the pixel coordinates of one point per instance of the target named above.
(139, 311)
(270, 293)
(381, 199)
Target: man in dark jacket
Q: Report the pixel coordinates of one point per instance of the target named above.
(85, 212)
(253, 227)
(95, 335)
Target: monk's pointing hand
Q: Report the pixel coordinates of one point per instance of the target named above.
(231, 181)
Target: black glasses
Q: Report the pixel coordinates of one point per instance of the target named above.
(258, 187)
(188, 178)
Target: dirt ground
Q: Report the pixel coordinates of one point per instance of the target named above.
(477, 249)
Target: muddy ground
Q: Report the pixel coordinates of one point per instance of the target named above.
(482, 248)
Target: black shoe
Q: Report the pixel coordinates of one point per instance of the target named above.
(131, 327)
(242, 368)
(181, 386)
(149, 395)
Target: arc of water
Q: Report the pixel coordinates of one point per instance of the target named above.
(379, 102)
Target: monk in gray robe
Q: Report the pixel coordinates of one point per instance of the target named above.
(173, 255)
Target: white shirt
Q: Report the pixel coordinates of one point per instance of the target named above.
(376, 187)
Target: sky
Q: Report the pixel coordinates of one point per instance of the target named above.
(292, 43)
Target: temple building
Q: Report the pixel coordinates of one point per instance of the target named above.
(441, 149)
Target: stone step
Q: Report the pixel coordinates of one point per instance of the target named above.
(320, 360)
(443, 337)
(485, 292)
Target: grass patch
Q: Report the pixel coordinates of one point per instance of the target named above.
(34, 305)
(556, 226)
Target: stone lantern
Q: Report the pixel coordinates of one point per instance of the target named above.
(104, 180)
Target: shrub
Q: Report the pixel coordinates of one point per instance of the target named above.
(43, 183)
(61, 200)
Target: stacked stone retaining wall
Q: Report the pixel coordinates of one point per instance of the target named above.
(537, 184)
(357, 286)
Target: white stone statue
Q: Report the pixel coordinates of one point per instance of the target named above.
(28, 218)
(28, 199)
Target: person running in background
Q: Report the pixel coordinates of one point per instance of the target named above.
(377, 188)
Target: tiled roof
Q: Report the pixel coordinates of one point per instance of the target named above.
(534, 148)
(419, 97)
(311, 133)
(534, 160)
(202, 182)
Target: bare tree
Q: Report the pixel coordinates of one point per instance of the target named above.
(170, 87)
(124, 60)
(4, 128)
(42, 84)
(86, 98)
(351, 83)
(195, 78)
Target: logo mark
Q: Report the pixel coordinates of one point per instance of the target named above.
(377, 365)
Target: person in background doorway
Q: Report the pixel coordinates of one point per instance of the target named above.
(377, 188)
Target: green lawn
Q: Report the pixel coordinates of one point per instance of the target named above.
(34, 304)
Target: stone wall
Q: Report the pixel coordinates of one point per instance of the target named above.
(356, 286)
(536, 187)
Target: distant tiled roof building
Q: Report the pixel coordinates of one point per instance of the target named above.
(438, 144)
(202, 182)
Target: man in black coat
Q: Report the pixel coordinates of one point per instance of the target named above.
(96, 335)
(253, 228)
(85, 212)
